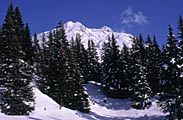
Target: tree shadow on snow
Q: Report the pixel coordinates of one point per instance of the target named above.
(97, 97)
(94, 116)
(33, 118)
(55, 118)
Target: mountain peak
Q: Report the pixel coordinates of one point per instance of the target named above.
(72, 24)
(107, 29)
(99, 36)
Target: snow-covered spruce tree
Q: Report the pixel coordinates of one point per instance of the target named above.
(56, 64)
(153, 64)
(1, 80)
(111, 75)
(141, 90)
(81, 56)
(23, 35)
(64, 78)
(18, 98)
(93, 62)
(19, 27)
(157, 61)
(38, 76)
(74, 95)
(36, 50)
(171, 97)
(27, 45)
(126, 83)
(42, 66)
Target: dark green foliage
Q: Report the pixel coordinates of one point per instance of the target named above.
(19, 28)
(42, 65)
(153, 64)
(61, 78)
(125, 71)
(111, 77)
(27, 46)
(36, 50)
(171, 95)
(81, 56)
(19, 98)
(93, 63)
(74, 95)
(141, 90)
(16, 75)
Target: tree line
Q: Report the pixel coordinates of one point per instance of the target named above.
(61, 68)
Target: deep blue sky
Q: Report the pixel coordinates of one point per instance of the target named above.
(132, 16)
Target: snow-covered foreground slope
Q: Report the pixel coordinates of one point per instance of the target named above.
(118, 109)
(97, 35)
(46, 109)
(113, 109)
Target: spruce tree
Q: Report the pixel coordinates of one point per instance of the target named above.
(16, 74)
(153, 64)
(110, 69)
(141, 90)
(19, 28)
(36, 50)
(69, 83)
(126, 82)
(27, 45)
(93, 62)
(81, 56)
(1, 80)
(43, 65)
(74, 94)
(157, 62)
(171, 81)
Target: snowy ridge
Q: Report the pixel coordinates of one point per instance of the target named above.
(97, 35)
(113, 109)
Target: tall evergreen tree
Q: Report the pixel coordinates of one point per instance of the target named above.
(93, 62)
(15, 73)
(74, 94)
(63, 81)
(81, 56)
(157, 61)
(126, 82)
(27, 46)
(180, 31)
(42, 65)
(110, 69)
(1, 81)
(171, 81)
(36, 50)
(153, 64)
(141, 90)
(19, 28)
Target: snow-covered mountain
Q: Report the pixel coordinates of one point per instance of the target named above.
(97, 35)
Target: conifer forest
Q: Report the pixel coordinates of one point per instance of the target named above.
(60, 68)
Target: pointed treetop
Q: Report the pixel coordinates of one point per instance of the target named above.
(59, 24)
(149, 42)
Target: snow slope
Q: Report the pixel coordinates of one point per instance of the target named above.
(118, 109)
(97, 35)
(46, 109)
(113, 109)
